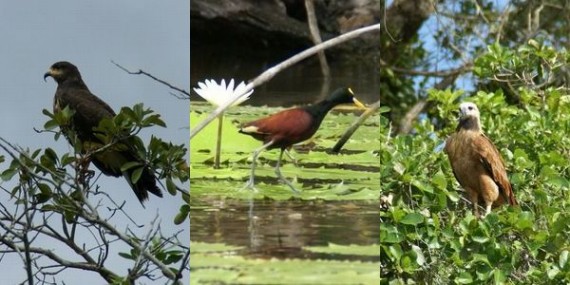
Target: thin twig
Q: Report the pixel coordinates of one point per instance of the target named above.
(316, 36)
(140, 71)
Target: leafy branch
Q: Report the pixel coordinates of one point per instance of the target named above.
(50, 202)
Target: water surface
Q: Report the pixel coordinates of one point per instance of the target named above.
(269, 228)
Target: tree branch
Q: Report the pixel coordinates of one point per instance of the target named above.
(108, 275)
(468, 67)
(140, 71)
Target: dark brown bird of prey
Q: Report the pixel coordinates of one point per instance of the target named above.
(89, 110)
(477, 164)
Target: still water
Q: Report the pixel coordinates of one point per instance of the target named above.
(268, 228)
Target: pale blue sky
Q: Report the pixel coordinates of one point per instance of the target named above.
(150, 35)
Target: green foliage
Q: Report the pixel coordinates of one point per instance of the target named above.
(428, 232)
(167, 159)
(458, 36)
(532, 65)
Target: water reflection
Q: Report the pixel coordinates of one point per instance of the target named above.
(300, 84)
(268, 228)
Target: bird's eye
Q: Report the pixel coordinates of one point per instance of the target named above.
(470, 108)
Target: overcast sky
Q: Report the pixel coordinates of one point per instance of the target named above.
(149, 35)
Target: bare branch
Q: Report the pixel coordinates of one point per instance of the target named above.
(20, 232)
(108, 275)
(444, 73)
(315, 34)
(140, 71)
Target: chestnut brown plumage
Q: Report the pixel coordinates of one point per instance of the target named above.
(292, 126)
(89, 110)
(476, 162)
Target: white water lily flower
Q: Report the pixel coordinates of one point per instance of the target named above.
(217, 94)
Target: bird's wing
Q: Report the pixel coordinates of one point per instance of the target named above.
(450, 149)
(84, 103)
(289, 123)
(89, 110)
(492, 162)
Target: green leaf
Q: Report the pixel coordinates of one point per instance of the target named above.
(182, 214)
(440, 180)
(464, 278)
(552, 272)
(130, 165)
(153, 120)
(384, 109)
(50, 125)
(173, 258)
(8, 174)
(170, 186)
(44, 194)
(126, 256)
(47, 113)
(136, 175)
(412, 219)
(563, 259)
(525, 220)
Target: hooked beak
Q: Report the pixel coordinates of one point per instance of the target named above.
(49, 73)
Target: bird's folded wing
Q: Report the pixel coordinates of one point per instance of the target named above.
(493, 163)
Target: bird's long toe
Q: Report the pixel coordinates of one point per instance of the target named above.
(250, 185)
(280, 176)
(290, 186)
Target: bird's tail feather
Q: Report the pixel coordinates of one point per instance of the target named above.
(513, 200)
(145, 184)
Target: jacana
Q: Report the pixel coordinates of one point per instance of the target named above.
(288, 127)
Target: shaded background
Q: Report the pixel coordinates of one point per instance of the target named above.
(243, 38)
(148, 35)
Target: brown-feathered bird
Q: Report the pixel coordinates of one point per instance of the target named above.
(476, 162)
(89, 110)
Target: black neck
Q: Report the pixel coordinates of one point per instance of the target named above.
(320, 110)
(469, 124)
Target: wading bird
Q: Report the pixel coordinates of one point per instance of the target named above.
(288, 127)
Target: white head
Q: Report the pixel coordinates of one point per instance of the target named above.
(468, 109)
(469, 117)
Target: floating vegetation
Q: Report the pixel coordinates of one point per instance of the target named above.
(318, 173)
